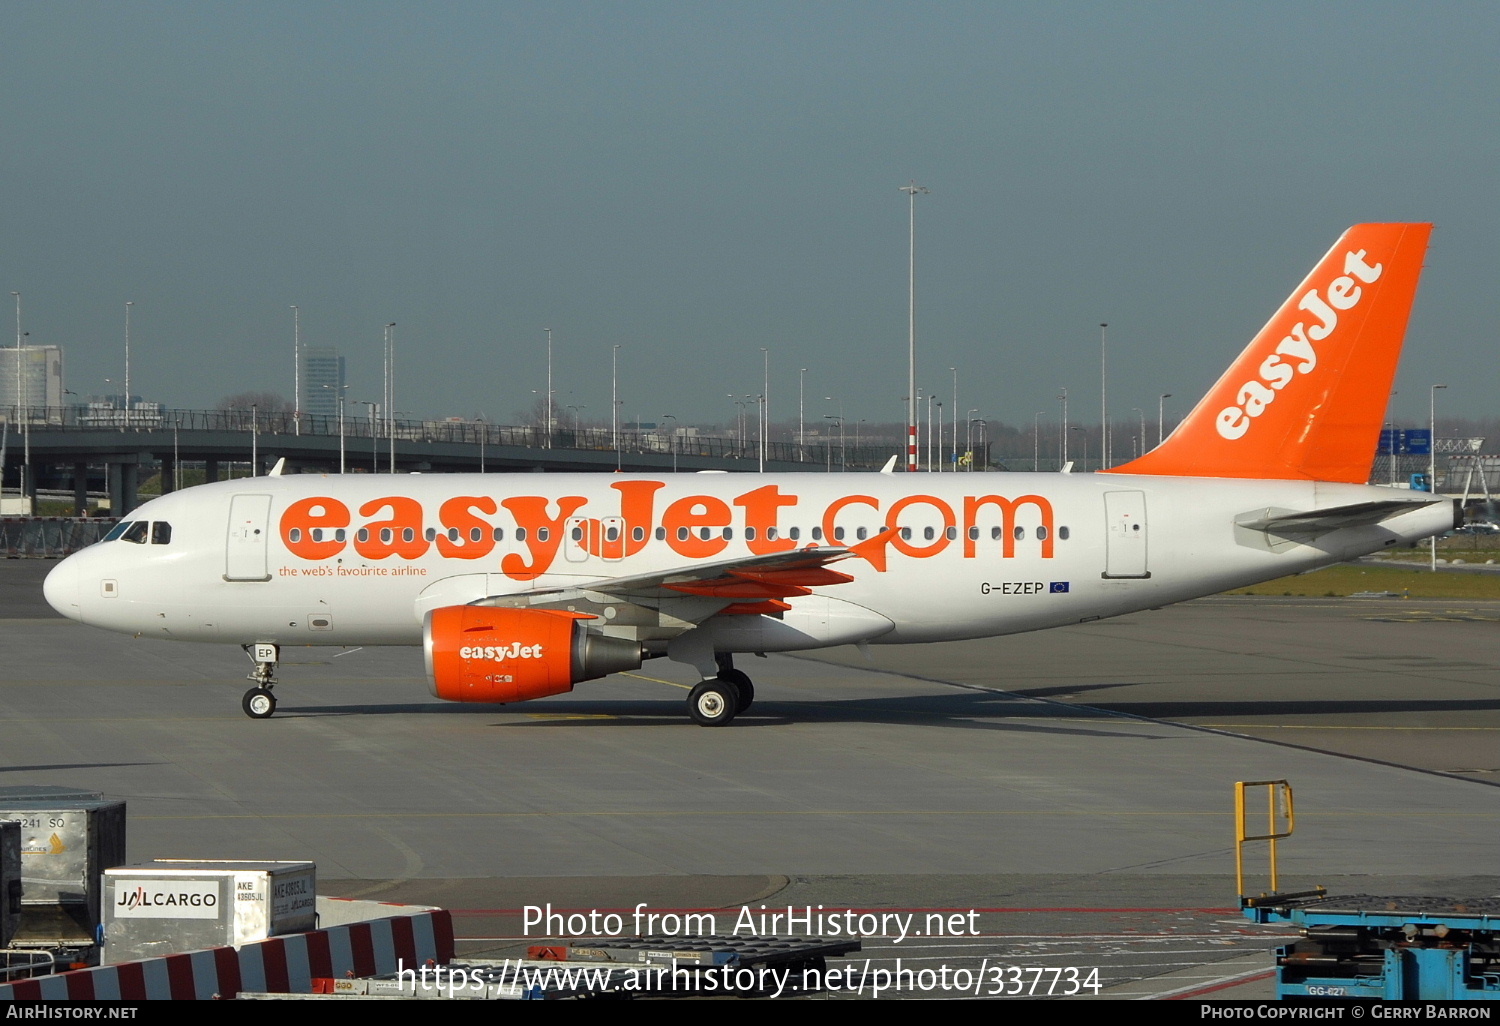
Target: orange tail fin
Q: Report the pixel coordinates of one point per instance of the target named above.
(1307, 397)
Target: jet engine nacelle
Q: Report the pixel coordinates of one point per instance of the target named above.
(489, 654)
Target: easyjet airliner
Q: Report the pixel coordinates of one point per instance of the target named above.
(520, 586)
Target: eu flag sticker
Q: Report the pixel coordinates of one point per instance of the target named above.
(1058, 588)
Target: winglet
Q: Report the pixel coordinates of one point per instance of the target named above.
(890, 466)
(1306, 398)
(276, 470)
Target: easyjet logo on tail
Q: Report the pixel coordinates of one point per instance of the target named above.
(1342, 293)
(1305, 398)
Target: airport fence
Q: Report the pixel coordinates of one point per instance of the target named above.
(50, 537)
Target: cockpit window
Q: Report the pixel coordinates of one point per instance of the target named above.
(117, 530)
(136, 532)
(161, 533)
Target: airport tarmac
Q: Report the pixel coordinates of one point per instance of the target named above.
(1071, 788)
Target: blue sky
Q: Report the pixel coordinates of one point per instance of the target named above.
(692, 182)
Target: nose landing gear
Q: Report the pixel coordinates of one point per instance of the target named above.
(259, 703)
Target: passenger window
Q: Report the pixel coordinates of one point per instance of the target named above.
(577, 534)
(499, 534)
(638, 534)
(950, 533)
(476, 534)
(1041, 534)
(542, 533)
(749, 534)
(612, 534)
(770, 533)
(861, 533)
(430, 533)
(661, 534)
(906, 534)
(407, 534)
(1062, 533)
(521, 534)
(928, 533)
(1020, 533)
(973, 534)
(161, 533)
(363, 534)
(728, 533)
(838, 534)
(136, 532)
(340, 535)
(994, 534)
(795, 533)
(682, 534)
(817, 534)
(295, 535)
(704, 533)
(386, 535)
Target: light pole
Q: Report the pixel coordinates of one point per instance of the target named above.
(1062, 445)
(801, 432)
(1036, 443)
(953, 456)
(390, 399)
(176, 457)
(912, 189)
(1142, 436)
(296, 370)
(339, 390)
(765, 404)
(575, 410)
(1161, 415)
(614, 404)
(1103, 402)
(1391, 405)
(254, 441)
(1085, 436)
(548, 443)
(18, 363)
(843, 463)
(374, 434)
(1432, 456)
(25, 468)
(672, 444)
(128, 304)
(969, 437)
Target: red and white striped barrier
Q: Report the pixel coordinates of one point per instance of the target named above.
(280, 965)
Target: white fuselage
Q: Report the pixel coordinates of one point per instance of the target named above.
(972, 555)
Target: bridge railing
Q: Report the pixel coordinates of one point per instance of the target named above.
(823, 451)
(50, 537)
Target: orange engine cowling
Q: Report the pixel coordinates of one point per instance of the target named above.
(488, 654)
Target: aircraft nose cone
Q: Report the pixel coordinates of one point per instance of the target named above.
(61, 588)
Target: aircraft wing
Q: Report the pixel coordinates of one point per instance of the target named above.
(662, 604)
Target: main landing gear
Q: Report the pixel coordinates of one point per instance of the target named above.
(718, 700)
(258, 702)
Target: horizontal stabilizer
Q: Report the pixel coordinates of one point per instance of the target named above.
(1322, 521)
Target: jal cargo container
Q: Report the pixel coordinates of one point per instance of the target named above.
(68, 839)
(172, 905)
(10, 880)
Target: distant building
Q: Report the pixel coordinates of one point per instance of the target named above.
(322, 380)
(41, 375)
